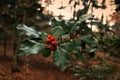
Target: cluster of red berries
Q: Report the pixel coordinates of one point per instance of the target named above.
(51, 40)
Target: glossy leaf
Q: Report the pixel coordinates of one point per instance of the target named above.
(46, 52)
(68, 46)
(43, 36)
(30, 47)
(89, 40)
(28, 31)
(77, 45)
(77, 24)
(57, 31)
(61, 58)
(63, 52)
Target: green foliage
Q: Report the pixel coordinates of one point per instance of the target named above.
(73, 38)
(96, 72)
(111, 45)
(61, 58)
(28, 31)
(57, 31)
(63, 27)
(65, 50)
(89, 40)
(63, 30)
(30, 47)
(46, 52)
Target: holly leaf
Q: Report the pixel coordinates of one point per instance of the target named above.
(46, 52)
(44, 36)
(89, 40)
(77, 24)
(61, 58)
(63, 52)
(57, 31)
(77, 45)
(28, 31)
(30, 47)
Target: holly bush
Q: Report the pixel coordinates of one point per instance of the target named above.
(67, 39)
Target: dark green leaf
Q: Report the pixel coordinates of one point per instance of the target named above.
(86, 29)
(77, 45)
(46, 52)
(68, 46)
(79, 56)
(28, 31)
(89, 40)
(61, 58)
(43, 36)
(75, 27)
(30, 47)
(77, 24)
(57, 31)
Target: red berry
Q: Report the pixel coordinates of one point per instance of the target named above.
(53, 43)
(49, 36)
(52, 38)
(48, 41)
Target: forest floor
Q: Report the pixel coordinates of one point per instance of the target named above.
(37, 67)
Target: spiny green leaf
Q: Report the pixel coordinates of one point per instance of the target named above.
(89, 40)
(68, 46)
(28, 31)
(57, 31)
(55, 22)
(61, 58)
(75, 27)
(77, 45)
(43, 36)
(88, 30)
(62, 54)
(30, 47)
(46, 52)
(77, 24)
(79, 56)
